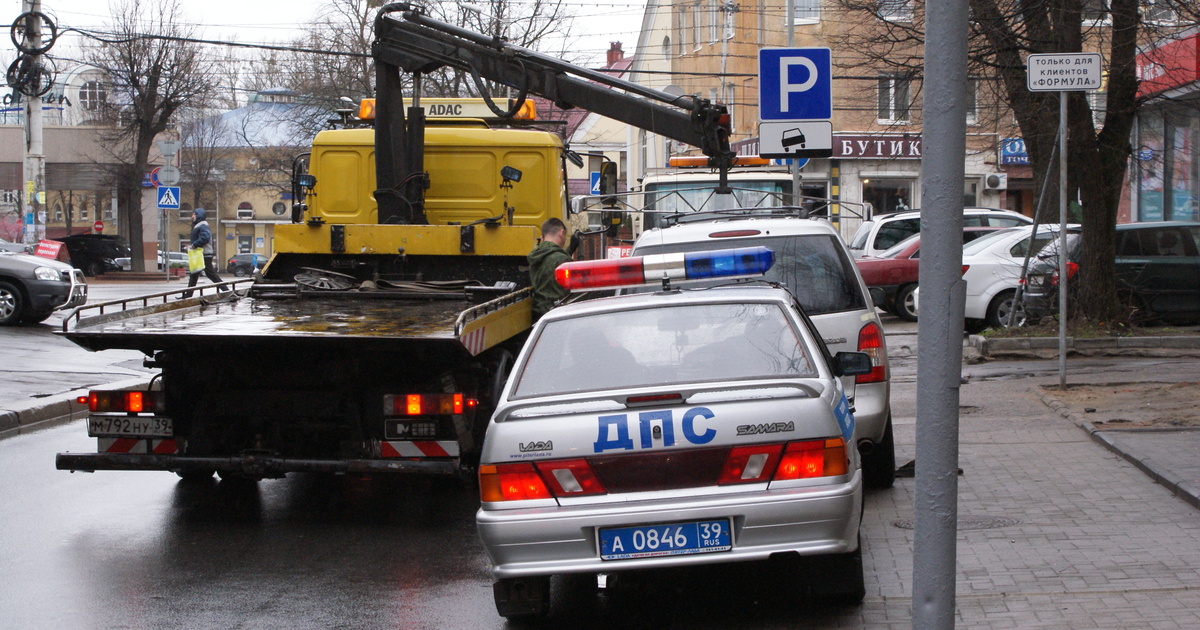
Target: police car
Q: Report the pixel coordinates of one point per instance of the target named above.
(669, 429)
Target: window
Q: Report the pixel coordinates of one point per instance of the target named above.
(683, 31)
(666, 46)
(185, 212)
(1099, 103)
(1159, 12)
(808, 10)
(1095, 10)
(92, 95)
(245, 242)
(58, 213)
(279, 208)
(716, 13)
(697, 25)
(245, 210)
(893, 98)
(83, 213)
(895, 9)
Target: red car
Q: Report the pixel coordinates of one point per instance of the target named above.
(895, 272)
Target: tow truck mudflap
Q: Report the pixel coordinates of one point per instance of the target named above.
(255, 466)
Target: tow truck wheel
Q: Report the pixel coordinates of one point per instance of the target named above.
(522, 598)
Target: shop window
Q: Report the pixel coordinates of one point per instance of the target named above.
(894, 99)
(888, 195)
(245, 243)
(245, 210)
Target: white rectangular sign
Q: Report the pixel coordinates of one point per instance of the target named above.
(795, 138)
(1064, 72)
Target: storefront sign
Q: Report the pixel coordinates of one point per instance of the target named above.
(1012, 151)
(1171, 65)
(876, 147)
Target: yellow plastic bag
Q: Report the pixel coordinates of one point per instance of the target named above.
(195, 260)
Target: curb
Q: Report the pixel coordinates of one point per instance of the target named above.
(1042, 347)
(55, 409)
(1178, 486)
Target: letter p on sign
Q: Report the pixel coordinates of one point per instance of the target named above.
(795, 84)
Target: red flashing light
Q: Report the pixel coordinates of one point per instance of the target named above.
(870, 341)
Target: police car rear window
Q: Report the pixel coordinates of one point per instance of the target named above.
(693, 343)
(813, 267)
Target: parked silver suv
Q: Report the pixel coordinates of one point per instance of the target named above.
(811, 261)
(883, 231)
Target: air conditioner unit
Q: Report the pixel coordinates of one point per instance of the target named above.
(995, 181)
(245, 214)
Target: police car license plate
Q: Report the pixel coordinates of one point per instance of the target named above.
(673, 539)
(124, 426)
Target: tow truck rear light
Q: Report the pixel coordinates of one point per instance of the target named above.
(814, 458)
(750, 464)
(870, 341)
(511, 482)
(122, 402)
(725, 263)
(425, 404)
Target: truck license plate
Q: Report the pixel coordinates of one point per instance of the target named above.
(126, 426)
(674, 539)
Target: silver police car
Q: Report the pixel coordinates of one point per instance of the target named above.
(670, 429)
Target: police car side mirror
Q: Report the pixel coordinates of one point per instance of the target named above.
(851, 364)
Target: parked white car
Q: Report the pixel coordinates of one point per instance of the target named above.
(884, 231)
(992, 268)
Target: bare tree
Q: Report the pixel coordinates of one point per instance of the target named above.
(155, 72)
(889, 36)
(204, 152)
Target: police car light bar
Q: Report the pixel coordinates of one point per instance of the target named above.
(628, 272)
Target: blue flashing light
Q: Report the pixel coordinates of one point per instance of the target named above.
(725, 263)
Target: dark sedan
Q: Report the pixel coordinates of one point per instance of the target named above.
(1158, 272)
(245, 264)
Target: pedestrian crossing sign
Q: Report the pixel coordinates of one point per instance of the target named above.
(168, 197)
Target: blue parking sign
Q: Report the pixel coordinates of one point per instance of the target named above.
(795, 84)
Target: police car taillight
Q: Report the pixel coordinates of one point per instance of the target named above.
(122, 402)
(425, 404)
(543, 480)
(511, 482)
(624, 272)
(813, 458)
(870, 342)
(750, 464)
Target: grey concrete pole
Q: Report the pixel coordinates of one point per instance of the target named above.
(940, 328)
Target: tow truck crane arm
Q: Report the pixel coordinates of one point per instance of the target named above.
(418, 44)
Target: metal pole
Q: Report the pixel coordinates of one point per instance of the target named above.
(1062, 240)
(940, 327)
(34, 162)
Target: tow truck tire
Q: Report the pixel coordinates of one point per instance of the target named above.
(879, 465)
(522, 598)
(12, 304)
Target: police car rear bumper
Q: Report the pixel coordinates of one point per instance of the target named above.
(814, 520)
